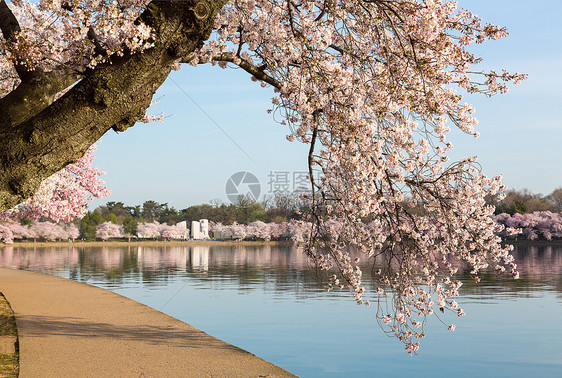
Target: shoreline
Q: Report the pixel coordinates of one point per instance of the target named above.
(155, 243)
(69, 335)
(144, 243)
(188, 243)
(528, 241)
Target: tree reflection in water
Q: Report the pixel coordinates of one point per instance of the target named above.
(279, 266)
(270, 293)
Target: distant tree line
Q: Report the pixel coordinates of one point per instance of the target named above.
(524, 201)
(276, 209)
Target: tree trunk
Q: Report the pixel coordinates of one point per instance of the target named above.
(39, 137)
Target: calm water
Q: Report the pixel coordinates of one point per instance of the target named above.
(266, 300)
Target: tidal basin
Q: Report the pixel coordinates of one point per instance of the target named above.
(267, 300)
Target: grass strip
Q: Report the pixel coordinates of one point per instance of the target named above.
(9, 351)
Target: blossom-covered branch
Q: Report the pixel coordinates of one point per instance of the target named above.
(39, 135)
(371, 86)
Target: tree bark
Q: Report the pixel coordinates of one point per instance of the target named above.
(38, 137)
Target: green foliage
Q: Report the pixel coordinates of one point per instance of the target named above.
(538, 204)
(524, 202)
(88, 225)
(96, 217)
(150, 210)
(130, 225)
(87, 231)
(118, 208)
(254, 212)
(278, 209)
(110, 217)
(520, 207)
(26, 221)
(555, 198)
(278, 219)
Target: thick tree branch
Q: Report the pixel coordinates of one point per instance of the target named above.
(10, 26)
(98, 48)
(37, 88)
(36, 91)
(114, 96)
(8, 22)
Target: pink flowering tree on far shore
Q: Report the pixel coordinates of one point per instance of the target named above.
(64, 195)
(149, 230)
(72, 231)
(536, 225)
(20, 231)
(49, 231)
(220, 231)
(6, 234)
(371, 87)
(174, 232)
(11, 231)
(109, 230)
(296, 231)
(260, 230)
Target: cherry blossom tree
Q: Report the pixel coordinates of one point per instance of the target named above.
(109, 230)
(296, 231)
(6, 234)
(65, 194)
(219, 230)
(149, 230)
(37, 230)
(107, 57)
(174, 232)
(260, 230)
(539, 224)
(277, 230)
(371, 86)
(239, 231)
(18, 230)
(73, 231)
(48, 231)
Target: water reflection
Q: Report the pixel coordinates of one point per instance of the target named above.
(280, 266)
(277, 267)
(199, 257)
(270, 294)
(540, 267)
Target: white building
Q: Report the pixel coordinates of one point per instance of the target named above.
(200, 230)
(183, 225)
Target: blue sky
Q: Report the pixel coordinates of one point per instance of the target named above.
(187, 159)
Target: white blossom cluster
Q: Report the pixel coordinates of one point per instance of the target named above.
(71, 35)
(372, 87)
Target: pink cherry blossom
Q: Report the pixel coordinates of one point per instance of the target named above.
(109, 230)
(65, 194)
(372, 87)
(174, 232)
(149, 230)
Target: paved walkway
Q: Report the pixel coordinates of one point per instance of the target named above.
(67, 328)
